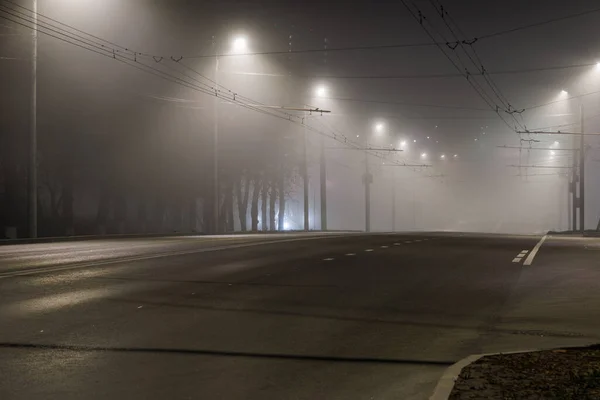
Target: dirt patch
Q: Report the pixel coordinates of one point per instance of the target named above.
(565, 374)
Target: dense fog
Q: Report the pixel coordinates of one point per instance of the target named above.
(126, 124)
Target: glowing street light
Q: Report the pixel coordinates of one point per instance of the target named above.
(423, 155)
(321, 91)
(379, 127)
(443, 156)
(564, 92)
(456, 156)
(403, 143)
(240, 45)
(415, 141)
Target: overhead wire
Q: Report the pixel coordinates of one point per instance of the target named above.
(130, 58)
(475, 59)
(408, 45)
(420, 18)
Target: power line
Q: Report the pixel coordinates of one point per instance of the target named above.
(400, 103)
(90, 45)
(420, 18)
(403, 45)
(536, 24)
(455, 74)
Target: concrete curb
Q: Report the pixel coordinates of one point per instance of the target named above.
(446, 383)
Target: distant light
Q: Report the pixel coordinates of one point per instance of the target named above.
(427, 137)
(286, 226)
(483, 133)
(475, 139)
(240, 45)
(379, 127)
(423, 155)
(415, 141)
(321, 91)
(437, 141)
(443, 156)
(403, 143)
(456, 156)
(436, 126)
(552, 152)
(357, 135)
(564, 92)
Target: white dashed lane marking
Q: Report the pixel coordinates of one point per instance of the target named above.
(520, 256)
(384, 247)
(328, 259)
(351, 254)
(397, 244)
(369, 250)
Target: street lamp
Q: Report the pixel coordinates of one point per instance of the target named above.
(321, 91)
(239, 45)
(443, 156)
(423, 155)
(379, 127)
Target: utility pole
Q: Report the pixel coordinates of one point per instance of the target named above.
(323, 187)
(394, 201)
(368, 179)
(216, 149)
(582, 176)
(305, 179)
(574, 191)
(32, 171)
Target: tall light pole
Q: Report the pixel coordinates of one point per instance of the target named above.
(305, 174)
(216, 150)
(239, 45)
(582, 175)
(32, 170)
(368, 180)
(321, 91)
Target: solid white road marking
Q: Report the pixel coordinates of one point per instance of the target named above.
(516, 260)
(369, 250)
(351, 254)
(531, 256)
(328, 259)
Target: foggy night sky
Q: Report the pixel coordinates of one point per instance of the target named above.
(84, 95)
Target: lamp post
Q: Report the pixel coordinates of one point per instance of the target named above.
(321, 91)
(239, 45)
(32, 170)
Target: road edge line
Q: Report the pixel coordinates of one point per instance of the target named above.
(533, 253)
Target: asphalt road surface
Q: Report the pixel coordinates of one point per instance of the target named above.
(282, 316)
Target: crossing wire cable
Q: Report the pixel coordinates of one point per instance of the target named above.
(410, 45)
(102, 47)
(443, 13)
(76, 40)
(419, 18)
